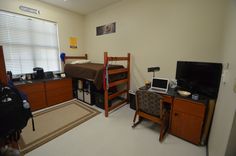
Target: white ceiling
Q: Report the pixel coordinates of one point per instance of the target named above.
(81, 6)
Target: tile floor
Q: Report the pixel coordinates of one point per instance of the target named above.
(114, 136)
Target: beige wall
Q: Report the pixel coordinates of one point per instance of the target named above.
(231, 150)
(157, 33)
(69, 24)
(225, 107)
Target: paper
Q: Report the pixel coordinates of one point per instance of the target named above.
(73, 42)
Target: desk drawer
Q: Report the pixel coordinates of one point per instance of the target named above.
(190, 107)
(167, 98)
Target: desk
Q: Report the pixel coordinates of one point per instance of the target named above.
(187, 115)
(167, 98)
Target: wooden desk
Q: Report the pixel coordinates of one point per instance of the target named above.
(186, 116)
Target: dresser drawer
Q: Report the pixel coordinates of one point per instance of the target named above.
(167, 98)
(190, 107)
(59, 84)
(31, 87)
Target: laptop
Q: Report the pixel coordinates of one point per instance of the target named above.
(159, 85)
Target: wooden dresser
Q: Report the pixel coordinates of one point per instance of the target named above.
(44, 93)
(35, 93)
(58, 91)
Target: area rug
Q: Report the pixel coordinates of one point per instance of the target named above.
(53, 122)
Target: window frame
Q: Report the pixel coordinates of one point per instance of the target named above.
(57, 40)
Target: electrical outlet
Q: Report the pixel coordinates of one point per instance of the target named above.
(225, 76)
(226, 65)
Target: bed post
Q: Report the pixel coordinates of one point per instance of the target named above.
(128, 76)
(105, 85)
(3, 75)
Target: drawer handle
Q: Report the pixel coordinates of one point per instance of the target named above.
(176, 114)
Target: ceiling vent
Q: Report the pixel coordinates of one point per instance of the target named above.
(28, 9)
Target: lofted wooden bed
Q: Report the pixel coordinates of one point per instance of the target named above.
(104, 76)
(107, 85)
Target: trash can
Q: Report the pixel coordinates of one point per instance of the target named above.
(132, 99)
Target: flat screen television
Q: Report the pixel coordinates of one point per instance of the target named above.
(199, 77)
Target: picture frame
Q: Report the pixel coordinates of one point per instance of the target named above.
(106, 29)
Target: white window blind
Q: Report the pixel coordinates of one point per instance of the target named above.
(28, 43)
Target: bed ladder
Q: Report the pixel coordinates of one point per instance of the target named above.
(108, 85)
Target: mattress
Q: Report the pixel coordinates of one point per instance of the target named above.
(92, 72)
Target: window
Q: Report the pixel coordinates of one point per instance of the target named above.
(28, 43)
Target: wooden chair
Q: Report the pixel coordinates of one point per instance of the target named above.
(149, 105)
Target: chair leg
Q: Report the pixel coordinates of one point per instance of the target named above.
(134, 121)
(161, 132)
(164, 126)
(135, 124)
(135, 115)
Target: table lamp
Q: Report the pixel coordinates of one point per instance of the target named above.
(153, 69)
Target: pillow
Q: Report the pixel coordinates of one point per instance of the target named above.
(80, 61)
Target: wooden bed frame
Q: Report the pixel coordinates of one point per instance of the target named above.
(107, 85)
(115, 83)
(76, 57)
(3, 73)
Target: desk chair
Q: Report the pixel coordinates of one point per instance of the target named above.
(149, 106)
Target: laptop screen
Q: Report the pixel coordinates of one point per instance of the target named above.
(159, 83)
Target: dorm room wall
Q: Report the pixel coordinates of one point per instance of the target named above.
(226, 107)
(157, 33)
(70, 24)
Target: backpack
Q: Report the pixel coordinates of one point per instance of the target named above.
(14, 113)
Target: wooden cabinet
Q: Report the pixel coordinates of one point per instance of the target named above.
(35, 93)
(188, 119)
(42, 94)
(3, 75)
(58, 91)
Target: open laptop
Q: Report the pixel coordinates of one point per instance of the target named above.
(159, 85)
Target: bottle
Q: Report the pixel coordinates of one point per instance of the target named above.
(26, 104)
(9, 75)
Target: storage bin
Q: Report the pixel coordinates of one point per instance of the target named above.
(87, 97)
(80, 95)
